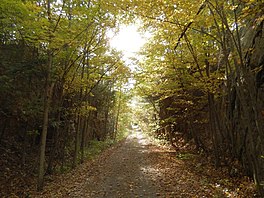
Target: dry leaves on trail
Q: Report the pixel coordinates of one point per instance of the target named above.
(190, 175)
(137, 167)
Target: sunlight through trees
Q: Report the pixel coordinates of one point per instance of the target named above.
(76, 71)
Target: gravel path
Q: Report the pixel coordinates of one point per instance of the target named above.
(137, 168)
(127, 172)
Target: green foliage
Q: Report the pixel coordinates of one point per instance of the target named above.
(197, 72)
(185, 156)
(66, 50)
(189, 73)
(97, 147)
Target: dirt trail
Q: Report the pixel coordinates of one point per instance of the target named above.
(127, 172)
(137, 168)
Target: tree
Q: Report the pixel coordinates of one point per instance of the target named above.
(65, 52)
(197, 71)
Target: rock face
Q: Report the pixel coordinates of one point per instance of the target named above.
(253, 44)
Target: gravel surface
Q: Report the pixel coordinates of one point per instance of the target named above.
(137, 168)
(127, 172)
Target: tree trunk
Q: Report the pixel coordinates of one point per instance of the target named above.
(47, 99)
(84, 130)
(117, 115)
(3, 130)
(55, 147)
(77, 142)
(213, 129)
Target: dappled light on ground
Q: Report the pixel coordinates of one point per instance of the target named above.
(137, 167)
(140, 137)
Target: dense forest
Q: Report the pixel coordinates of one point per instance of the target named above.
(61, 84)
(199, 77)
(203, 75)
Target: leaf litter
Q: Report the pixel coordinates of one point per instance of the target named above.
(138, 167)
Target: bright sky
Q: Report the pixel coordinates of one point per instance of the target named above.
(128, 40)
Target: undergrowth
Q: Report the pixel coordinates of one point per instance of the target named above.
(96, 147)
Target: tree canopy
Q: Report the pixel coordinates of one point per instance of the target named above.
(200, 75)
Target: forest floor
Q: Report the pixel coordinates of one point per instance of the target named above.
(137, 167)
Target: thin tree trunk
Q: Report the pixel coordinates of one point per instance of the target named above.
(84, 129)
(3, 130)
(70, 129)
(47, 99)
(55, 147)
(77, 142)
(23, 161)
(213, 129)
(117, 115)
(106, 120)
